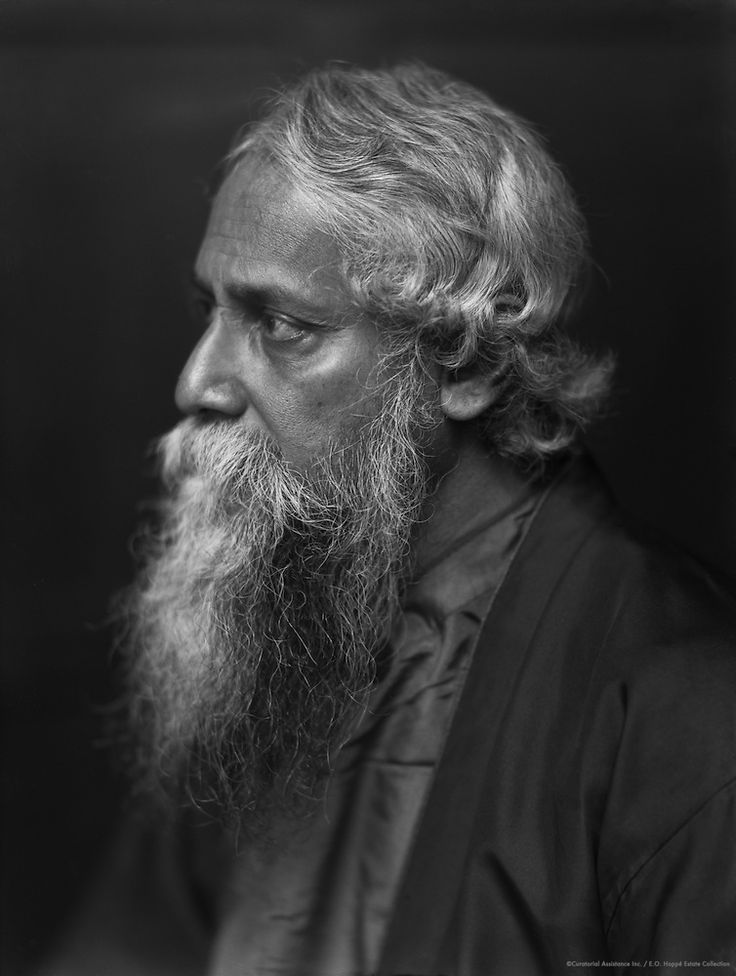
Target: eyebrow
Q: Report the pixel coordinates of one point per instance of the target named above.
(269, 295)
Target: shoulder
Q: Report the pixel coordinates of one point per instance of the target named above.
(638, 585)
(596, 609)
(647, 637)
(637, 622)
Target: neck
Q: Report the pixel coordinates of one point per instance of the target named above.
(475, 488)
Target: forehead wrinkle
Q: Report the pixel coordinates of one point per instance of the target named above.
(271, 276)
(275, 215)
(271, 239)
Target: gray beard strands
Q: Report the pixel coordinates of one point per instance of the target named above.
(268, 594)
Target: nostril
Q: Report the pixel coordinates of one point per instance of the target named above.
(207, 414)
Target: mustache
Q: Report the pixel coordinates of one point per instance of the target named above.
(360, 471)
(233, 462)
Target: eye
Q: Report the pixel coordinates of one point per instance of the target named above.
(201, 307)
(282, 328)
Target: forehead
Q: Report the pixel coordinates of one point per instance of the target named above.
(263, 230)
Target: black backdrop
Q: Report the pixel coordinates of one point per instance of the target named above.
(112, 116)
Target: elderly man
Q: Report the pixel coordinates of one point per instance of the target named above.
(408, 698)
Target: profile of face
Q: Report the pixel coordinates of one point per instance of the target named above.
(294, 486)
(286, 351)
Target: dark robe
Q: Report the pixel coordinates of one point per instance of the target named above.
(584, 809)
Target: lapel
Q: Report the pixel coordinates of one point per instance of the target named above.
(433, 876)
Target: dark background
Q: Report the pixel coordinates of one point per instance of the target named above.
(112, 117)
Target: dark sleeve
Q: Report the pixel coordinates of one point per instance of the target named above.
(667, 851)
(681, 903)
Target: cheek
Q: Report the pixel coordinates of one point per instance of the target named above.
(306, 412)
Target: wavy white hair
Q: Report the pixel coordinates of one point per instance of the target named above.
(460, 236)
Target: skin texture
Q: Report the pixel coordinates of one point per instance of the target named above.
(285, 350)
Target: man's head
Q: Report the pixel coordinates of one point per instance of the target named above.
(458, 238)
(385, 268)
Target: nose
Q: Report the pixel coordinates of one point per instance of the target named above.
(209, 382)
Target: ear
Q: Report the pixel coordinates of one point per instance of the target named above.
(466, 393)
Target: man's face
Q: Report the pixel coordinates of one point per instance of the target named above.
(285, 350)
(259, 622)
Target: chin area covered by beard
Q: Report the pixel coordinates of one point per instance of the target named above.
(253, 630)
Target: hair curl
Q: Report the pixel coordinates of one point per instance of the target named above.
(460, 236)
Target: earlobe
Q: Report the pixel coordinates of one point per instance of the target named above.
(466, 394)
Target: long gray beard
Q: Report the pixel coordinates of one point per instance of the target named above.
(255, 627)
